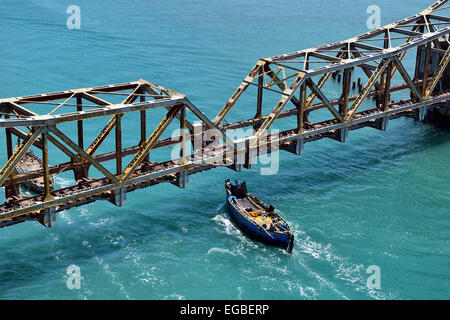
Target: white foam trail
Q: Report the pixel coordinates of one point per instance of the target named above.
(174, 296)
(225, 251)
(65, 216)
(101, 222)
(113, 276)
(346, 271)
(83, 211)
(144, 273)
(228, 227)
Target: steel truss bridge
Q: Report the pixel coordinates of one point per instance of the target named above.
(296, 86)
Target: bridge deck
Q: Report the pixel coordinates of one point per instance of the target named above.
(149, 174)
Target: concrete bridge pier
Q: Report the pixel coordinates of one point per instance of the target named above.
(118, 197)
(48, 218)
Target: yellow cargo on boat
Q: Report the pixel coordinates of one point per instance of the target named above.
(254, 214)
(261, 221)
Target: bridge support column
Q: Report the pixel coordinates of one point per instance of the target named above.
(340, 135)
(118, 197)
(299, 145)
(183, 179)
(343, 135)
(48, 218)
(295, 146)
(422, 112)
(384, 124)
(380, 124)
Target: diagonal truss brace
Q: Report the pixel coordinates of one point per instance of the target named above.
(407, 78)
(438, 74)
(288, 93)
(368, 87)
(152, 91)
(210, 124)
(139, 157)
(111, 123)
(18, 154)
(237, 94)
(83, 154)
(324, 99)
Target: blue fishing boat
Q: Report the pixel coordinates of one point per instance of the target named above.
(256, 219)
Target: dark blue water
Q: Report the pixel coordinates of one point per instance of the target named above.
(380, 199)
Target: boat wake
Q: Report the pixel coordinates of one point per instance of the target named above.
(310, 255)
(226, 227)
(113, 276)
(344, 271)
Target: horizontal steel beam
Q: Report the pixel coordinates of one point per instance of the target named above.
(49, 120)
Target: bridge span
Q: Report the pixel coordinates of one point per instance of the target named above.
(400, 70)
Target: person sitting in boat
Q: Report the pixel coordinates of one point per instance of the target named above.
(267, 226)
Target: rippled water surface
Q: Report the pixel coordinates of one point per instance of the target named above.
(381, 199)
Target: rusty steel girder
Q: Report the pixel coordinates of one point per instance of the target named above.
(299, 78)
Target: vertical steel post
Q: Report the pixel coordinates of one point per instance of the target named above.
(183, 135)
(143, 114)
(80, 172)
(80, 123)
(301, 109)
(183, 177)
(260, 94)
(47, 185)
(426, 69)
(387, 87)
(12, 190)
(343, 107)
(118, 144)
(48, 217)
(418, 63)
(9, 145)
(419, 53)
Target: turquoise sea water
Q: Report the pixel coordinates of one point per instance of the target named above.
(380, 199)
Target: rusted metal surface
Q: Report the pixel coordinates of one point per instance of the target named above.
(299, 78)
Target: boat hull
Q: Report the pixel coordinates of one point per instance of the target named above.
(285, 241)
